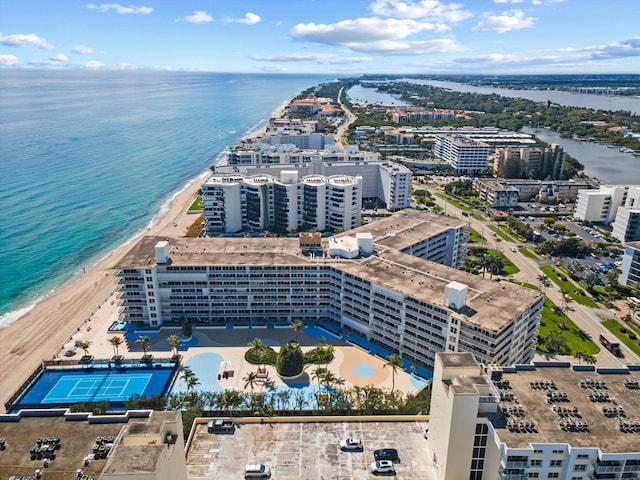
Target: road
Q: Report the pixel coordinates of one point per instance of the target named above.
(587, 319)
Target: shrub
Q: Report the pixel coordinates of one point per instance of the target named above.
(290, 360)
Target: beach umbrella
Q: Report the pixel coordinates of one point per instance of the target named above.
(78, 337)
(70, 347)
(226, 365)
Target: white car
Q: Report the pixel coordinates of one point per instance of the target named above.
(257, 471)
(351, 444)
(383, 466)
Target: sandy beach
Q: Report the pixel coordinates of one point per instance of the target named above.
(40, 334)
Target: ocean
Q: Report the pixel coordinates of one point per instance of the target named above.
(90, 158)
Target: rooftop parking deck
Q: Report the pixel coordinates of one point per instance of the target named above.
(307, 448)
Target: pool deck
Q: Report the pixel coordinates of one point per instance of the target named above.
(352, 364)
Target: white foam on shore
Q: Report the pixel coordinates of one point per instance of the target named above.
(14, 315)
(10, 317)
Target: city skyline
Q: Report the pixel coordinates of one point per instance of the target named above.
(309, 36)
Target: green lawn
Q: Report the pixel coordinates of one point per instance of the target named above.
(614, 326)
(509, 268)
(576, 293)
(528, 253)
(502, 234)
(475, 237)
(577, 340)
(197, 204)
(454, 202)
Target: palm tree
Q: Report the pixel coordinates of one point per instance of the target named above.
(395, 362)
(116, 341)
(251, 380)
(298, 326)
(256, 345)
(145, 343)
(175, 343)
(545, 282)
(633, 308)
(84, 345)
(319, 375)
(580, 355)
(190, 379)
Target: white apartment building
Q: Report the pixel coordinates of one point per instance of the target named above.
(260, 202)
(630, 267)
(465, 155)
(533, 421)
(387, 182)
(600, 206)
(626, 226)
(397, 299)
(507, 192)
(265, 154)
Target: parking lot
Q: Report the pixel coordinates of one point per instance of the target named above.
(300, 449)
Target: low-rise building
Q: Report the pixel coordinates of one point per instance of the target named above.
(600, 206)
(533, 421)
(141, 444)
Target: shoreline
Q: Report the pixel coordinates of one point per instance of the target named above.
(46, 324)
(38, 334)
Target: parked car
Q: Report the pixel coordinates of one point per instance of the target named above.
(351, 444)
(257, 471)
(386, 454)
(383, 466)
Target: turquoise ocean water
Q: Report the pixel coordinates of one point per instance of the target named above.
(87, 159)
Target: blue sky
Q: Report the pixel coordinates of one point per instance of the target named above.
(325, 36)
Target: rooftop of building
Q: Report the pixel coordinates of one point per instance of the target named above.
(601, 399)
(490, 305)
(77, 440)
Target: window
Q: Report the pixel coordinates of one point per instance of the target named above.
(553, 475)
(555, 463)
(536, 463)
(580, 468)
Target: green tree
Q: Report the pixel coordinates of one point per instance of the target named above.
(175, 343)
(298, 326)
(394, 362)
(250, 380)
(115, 342)
(290, 360)
(84, 345)
(145, 344)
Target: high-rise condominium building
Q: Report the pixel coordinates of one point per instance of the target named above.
(465, 155)
(400, 294)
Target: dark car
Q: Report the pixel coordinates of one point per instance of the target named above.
(386, 454)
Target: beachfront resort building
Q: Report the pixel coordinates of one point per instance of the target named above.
(313, 195)
(533, 421)
(235, 202)
(464, 154)
(282, 153)
(400, 294)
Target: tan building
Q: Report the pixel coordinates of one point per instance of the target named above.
(533, 421)
(404, 298)
(140, 445)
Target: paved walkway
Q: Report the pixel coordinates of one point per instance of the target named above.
(210, 346)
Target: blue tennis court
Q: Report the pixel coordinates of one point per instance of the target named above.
(64, 387)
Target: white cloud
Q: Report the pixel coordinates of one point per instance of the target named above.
(199, 16)
(105, 7)
(82, 50)
(322, 58)
(250, 19)
(359, 31)
(25, 40)
(423, 9)
(9, 61)
(92, 64)
(417, 47)
(512, 20)
(508, 1)
(60, 58)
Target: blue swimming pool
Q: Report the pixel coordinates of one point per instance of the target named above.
(65, 387)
